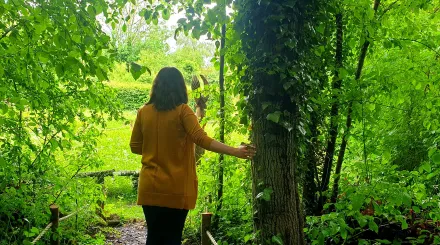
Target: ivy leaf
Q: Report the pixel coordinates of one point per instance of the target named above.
(277, 240)
(265, 194)
(274, 117)
(137, 70)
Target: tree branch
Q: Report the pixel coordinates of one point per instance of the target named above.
(387, 9)
(424, 44)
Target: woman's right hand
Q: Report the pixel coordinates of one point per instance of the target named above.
(245, 151)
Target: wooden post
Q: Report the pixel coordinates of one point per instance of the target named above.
(135, 181)
(100, 209)
(206, 226)
(54, 218)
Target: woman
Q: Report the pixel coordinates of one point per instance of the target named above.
(164, 133)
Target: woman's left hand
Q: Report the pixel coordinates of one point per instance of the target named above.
(245, 151)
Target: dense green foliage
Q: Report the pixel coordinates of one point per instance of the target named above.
(53, 103)
(132, 98)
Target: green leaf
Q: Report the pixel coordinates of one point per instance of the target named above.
(267, 193)
(2, 162)
(425, 167)
(43, 57)
(436, 158)
(404, 224)
(344, 233)
(155, 18)
(102, 59)
(91, 10)
(196, 32)
(166, 14)
(406, 199)
(416, 209)
(59, 69)
(373, 226)
(137, 70)
(147, 14)
(274, 117)
(277, 240)
(358, 202)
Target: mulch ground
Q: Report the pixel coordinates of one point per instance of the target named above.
(129, 234)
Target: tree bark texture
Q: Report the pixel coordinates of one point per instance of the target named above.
(274, 168)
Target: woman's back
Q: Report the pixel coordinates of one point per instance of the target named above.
(166, 141)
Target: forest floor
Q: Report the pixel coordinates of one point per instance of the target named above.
(128, 234)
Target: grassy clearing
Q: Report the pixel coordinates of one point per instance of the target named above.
(113, 149)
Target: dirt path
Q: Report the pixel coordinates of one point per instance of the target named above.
(129, 234)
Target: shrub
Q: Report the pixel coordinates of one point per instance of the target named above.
(132, 97)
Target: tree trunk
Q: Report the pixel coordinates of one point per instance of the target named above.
(222, 119)
(310, 186)
(273, 176)
(343, 147)
(200, 110)
(333, 132)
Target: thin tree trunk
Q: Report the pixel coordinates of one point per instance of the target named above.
(310, 187)
(222, 118)
(333, 132)
(200, 110)
(343, 147)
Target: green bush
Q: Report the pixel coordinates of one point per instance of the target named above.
(132, 98)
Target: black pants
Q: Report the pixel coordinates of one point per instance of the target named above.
(164, 225)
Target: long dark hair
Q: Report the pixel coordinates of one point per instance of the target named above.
(169, 90)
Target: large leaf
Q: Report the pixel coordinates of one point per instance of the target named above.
(436, 158)
(137, 70)
(274, 117)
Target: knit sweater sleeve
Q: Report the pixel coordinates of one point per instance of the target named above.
(193, 129)
(136, 140)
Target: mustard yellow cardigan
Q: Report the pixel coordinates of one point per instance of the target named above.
(166, 141)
